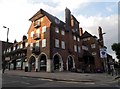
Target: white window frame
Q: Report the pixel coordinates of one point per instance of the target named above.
(62, 32)
(43, 43)
(75, 48)
(43, 29)
(57, 43)
(56, 29)
(63, 44)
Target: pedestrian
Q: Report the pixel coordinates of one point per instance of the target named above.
(112, 69)
(3, 66)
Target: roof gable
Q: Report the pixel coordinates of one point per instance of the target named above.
(52, 18)
(86, 34)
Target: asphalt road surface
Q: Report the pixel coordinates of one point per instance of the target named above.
(19, 81)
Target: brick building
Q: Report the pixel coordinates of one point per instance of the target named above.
(93, 60)
(54, 45)
(3, 46)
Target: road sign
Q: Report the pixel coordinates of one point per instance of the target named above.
(103, 53)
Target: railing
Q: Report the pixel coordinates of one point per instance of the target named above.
(36, 50)
(37, 24)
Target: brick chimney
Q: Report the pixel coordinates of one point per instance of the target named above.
(68, 17)
(100, 36)
(81, 31)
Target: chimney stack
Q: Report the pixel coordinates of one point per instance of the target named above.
(81, 31)
(68, 17)
(100, 36)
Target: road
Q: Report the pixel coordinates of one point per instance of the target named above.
(19, 81)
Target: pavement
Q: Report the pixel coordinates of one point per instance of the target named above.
(65, 76)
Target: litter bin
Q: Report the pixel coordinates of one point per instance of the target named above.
(26, 69)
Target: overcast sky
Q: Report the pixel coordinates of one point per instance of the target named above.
(15, 14)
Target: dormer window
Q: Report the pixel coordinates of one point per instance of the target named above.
(57, 21)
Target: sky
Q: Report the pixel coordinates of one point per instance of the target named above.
(15, 15)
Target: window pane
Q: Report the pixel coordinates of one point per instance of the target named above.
(74, 37)
(44, 43)
(37, 43)
(63, 32)
(78, 49)
(78, 39)
(32, 33)
(56, 30)
(63, 44)
(43, 29)
(75, 48)
(56, 43)
(26, 44)
(38, 30)
(92, 45)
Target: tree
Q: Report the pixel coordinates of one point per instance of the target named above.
(116, 48)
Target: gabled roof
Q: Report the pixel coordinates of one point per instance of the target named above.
(86, 34)
(52, 18)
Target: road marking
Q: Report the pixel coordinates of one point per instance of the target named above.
(25, 83)
(67, 81)
(24, 77)
(46, 79)
(89, 83)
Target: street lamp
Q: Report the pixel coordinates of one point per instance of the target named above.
(7, 32)
(7, 42)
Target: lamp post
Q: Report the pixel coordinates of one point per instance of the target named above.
(7, 32)
(7, 42)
